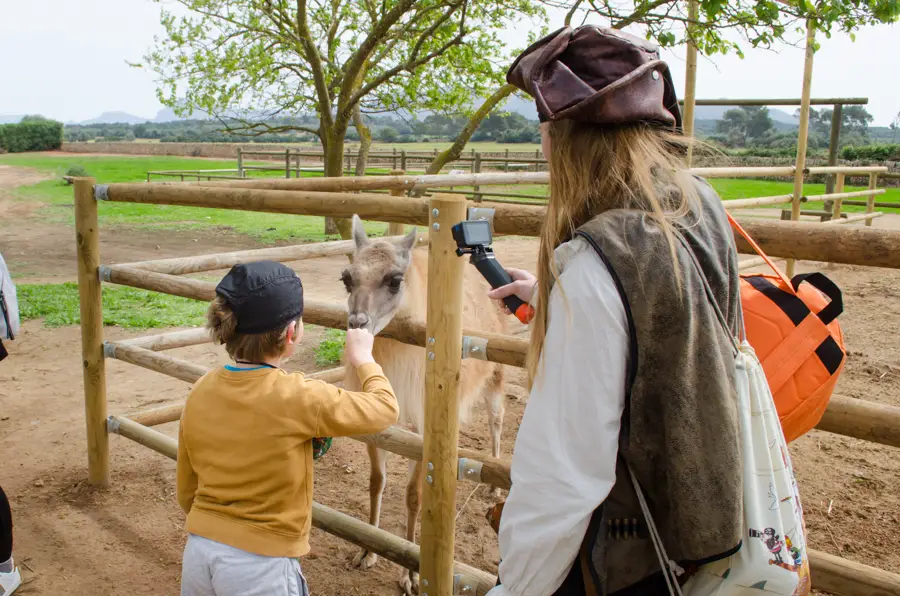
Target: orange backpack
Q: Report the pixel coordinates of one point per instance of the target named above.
(792, 326)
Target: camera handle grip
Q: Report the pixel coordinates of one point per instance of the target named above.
(497, 276)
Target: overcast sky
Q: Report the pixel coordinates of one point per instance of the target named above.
(66, 59)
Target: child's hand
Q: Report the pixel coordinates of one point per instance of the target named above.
(359, 346)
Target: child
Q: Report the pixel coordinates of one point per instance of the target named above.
(245, 453)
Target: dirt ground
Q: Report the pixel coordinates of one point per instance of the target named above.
(128, 539)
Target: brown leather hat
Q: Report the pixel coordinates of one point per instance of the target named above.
(598, 75)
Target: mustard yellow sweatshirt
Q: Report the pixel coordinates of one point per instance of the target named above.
(245, 465)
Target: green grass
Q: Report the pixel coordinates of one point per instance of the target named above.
(331, 348)
(57, 304)
(55, 193)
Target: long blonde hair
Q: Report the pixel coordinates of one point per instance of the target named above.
(597, 168)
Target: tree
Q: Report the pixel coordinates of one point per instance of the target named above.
(387, 134)
(734, 125)
(247, 62)
(721, 27)
(895, 126)
(758, 121)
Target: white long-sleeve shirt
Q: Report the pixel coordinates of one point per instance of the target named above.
(563, 465)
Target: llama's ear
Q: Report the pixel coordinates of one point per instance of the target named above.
(359, 233)
(409, 241)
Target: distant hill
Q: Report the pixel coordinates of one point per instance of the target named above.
(10, 119)
(717, 112)
(116, 118)
(713, 113)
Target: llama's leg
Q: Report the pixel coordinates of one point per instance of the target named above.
(409, 580)
(495, 404)
(377, 479)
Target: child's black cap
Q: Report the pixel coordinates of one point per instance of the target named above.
(264, 296)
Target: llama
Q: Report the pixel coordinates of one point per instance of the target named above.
(384, 279)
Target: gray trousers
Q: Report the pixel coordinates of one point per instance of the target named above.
(211, 568)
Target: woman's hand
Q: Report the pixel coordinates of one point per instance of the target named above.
(523, 286)
(359, 347)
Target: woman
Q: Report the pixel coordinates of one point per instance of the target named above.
(629, 367)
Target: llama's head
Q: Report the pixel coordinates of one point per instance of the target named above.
(375, 281)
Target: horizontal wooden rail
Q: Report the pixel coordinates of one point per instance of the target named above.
(876, 204)
(837, 575)
(225, 260)
(361, 183)
(883, 420)
(815, 101)
(169, 340)
(343, 526)
(503, 349)
(184, 369)
(829, 573)
(845, 195)
(849, 170)
(172, 412)
(802, 241)
(425, 181)
(856, 218)
(162, 363)
(744, 172)
(494, 472)
(758, 202)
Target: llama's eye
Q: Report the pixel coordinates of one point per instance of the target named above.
(348, 281)
(393, 284)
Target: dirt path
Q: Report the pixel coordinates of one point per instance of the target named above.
(127, 539)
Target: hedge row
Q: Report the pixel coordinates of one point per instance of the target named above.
(880, 152)
(37, 135)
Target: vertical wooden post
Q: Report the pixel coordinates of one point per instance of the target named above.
(287, 163)
(403, 160)
(802, 135)
(506, 167)
(393, 158)
(476, 169)
(443, 357)
(833, 144)
(870, 200)
(240, 162)
(395, 229)
(838, 187)
(87, 245)
(690, 82)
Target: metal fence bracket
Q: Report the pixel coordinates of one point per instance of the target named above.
(469, 469)
(101, 192)
(474, 347)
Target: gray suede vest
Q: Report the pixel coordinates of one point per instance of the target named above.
(680, 429)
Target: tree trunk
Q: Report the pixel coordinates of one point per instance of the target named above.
(459, 143)
(365, 141)
(334, 168)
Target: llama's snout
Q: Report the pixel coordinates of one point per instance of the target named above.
(358, 320)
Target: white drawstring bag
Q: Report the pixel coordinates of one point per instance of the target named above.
(9, 305)
(773, 557)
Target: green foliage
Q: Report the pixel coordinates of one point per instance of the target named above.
(331, 349)
(724, 26)
(266, 227)
(254, 60)
(77, 171)
(743, 125)
(33, 133)
(58, 305)
(387, 134)
(880, 152)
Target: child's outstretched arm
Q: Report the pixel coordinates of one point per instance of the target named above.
(345, 413)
